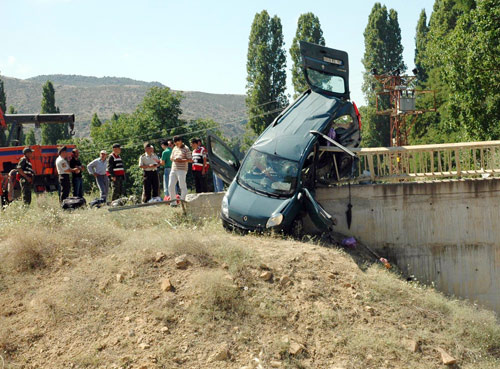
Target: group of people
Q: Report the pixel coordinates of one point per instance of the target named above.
(175, 160)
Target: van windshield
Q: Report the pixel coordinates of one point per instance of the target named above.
(269, 173)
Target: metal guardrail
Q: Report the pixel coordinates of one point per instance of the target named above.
(464, 159)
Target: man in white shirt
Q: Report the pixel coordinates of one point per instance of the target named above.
(64, 170)
(149, 163)
(98, 168)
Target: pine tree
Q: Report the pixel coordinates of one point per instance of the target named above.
(51, 133)
(420, 43)
(96, 122)
(3, 98)
(383, 52)
(308, 29)
(266, 79)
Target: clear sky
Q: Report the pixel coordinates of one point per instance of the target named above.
(187, 45)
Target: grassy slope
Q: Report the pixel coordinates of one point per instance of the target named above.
(62, 304)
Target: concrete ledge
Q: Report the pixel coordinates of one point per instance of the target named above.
(204, 205)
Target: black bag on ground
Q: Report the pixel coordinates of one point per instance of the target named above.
(73, 203)
(97, 203)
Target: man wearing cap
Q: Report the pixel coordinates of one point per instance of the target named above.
(116, 172)
(149, 163)
(77, 176)
(64, 170)
(26, 174)
(97, 168)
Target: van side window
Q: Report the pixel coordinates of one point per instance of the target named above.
(223, 153)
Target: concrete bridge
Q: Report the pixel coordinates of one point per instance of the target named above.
(432, 221)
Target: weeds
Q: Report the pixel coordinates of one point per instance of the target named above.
(217, 298)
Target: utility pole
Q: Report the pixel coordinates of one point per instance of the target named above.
(397, 99)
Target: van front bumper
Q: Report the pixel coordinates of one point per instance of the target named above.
(235, 226)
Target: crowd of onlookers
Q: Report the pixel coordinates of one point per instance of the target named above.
(109, 171)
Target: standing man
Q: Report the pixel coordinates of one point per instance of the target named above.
(64, 170)
(26, 173)
(199, 166)
(116, 172)
(97, 168)
(77, 176)
(149, 163)
(166, 162)
(181, 156)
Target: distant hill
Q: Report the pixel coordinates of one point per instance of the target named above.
(84, 96)
(87, 81)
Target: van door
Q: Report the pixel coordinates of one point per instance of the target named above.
(326, 70)
(223, 161)
(321, 219)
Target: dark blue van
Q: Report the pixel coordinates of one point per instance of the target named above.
(274, 186)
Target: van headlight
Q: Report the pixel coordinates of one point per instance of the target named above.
(225, 207)
(274, 220)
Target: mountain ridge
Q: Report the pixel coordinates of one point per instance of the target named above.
(86, 95)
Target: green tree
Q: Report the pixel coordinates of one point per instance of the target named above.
(420, 43)
(440, 127)
(51, 133)
(266, 78)
(95, 122)
(3, 101)
(383, 52)
(30, 138)
(308, 29)
(472, 72)
(156, 118)
(3, 97)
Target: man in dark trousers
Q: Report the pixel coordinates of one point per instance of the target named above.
(116, 172)
(64, 170)
(26, 175)
(149, 163)
(199, 165)
(77, 176)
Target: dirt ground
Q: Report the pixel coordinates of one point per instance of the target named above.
(152, 289)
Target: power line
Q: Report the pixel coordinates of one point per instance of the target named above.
(136, 142)
(110, 142)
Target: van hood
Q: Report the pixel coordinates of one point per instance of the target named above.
(288, 136)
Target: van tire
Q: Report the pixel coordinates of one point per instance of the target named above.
(296, 229)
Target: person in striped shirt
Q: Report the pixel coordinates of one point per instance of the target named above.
(116, 172)
(199, 165)
(181, 156)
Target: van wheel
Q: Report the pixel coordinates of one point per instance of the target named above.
(297, 228)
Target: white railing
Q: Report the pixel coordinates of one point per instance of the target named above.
(464, 159)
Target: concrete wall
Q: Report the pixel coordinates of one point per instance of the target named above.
(446, 233)
(204, 205)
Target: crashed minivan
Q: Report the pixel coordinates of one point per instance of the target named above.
(273, 188)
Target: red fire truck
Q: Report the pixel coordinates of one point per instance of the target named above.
(44, 156)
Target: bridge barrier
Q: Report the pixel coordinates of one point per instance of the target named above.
(423, 162)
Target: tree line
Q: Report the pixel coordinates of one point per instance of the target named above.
(457, 54)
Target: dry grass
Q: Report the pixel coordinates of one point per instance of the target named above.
(58, 273)
(217, 297)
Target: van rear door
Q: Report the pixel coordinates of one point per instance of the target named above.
(326, 70)
(223, 161)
